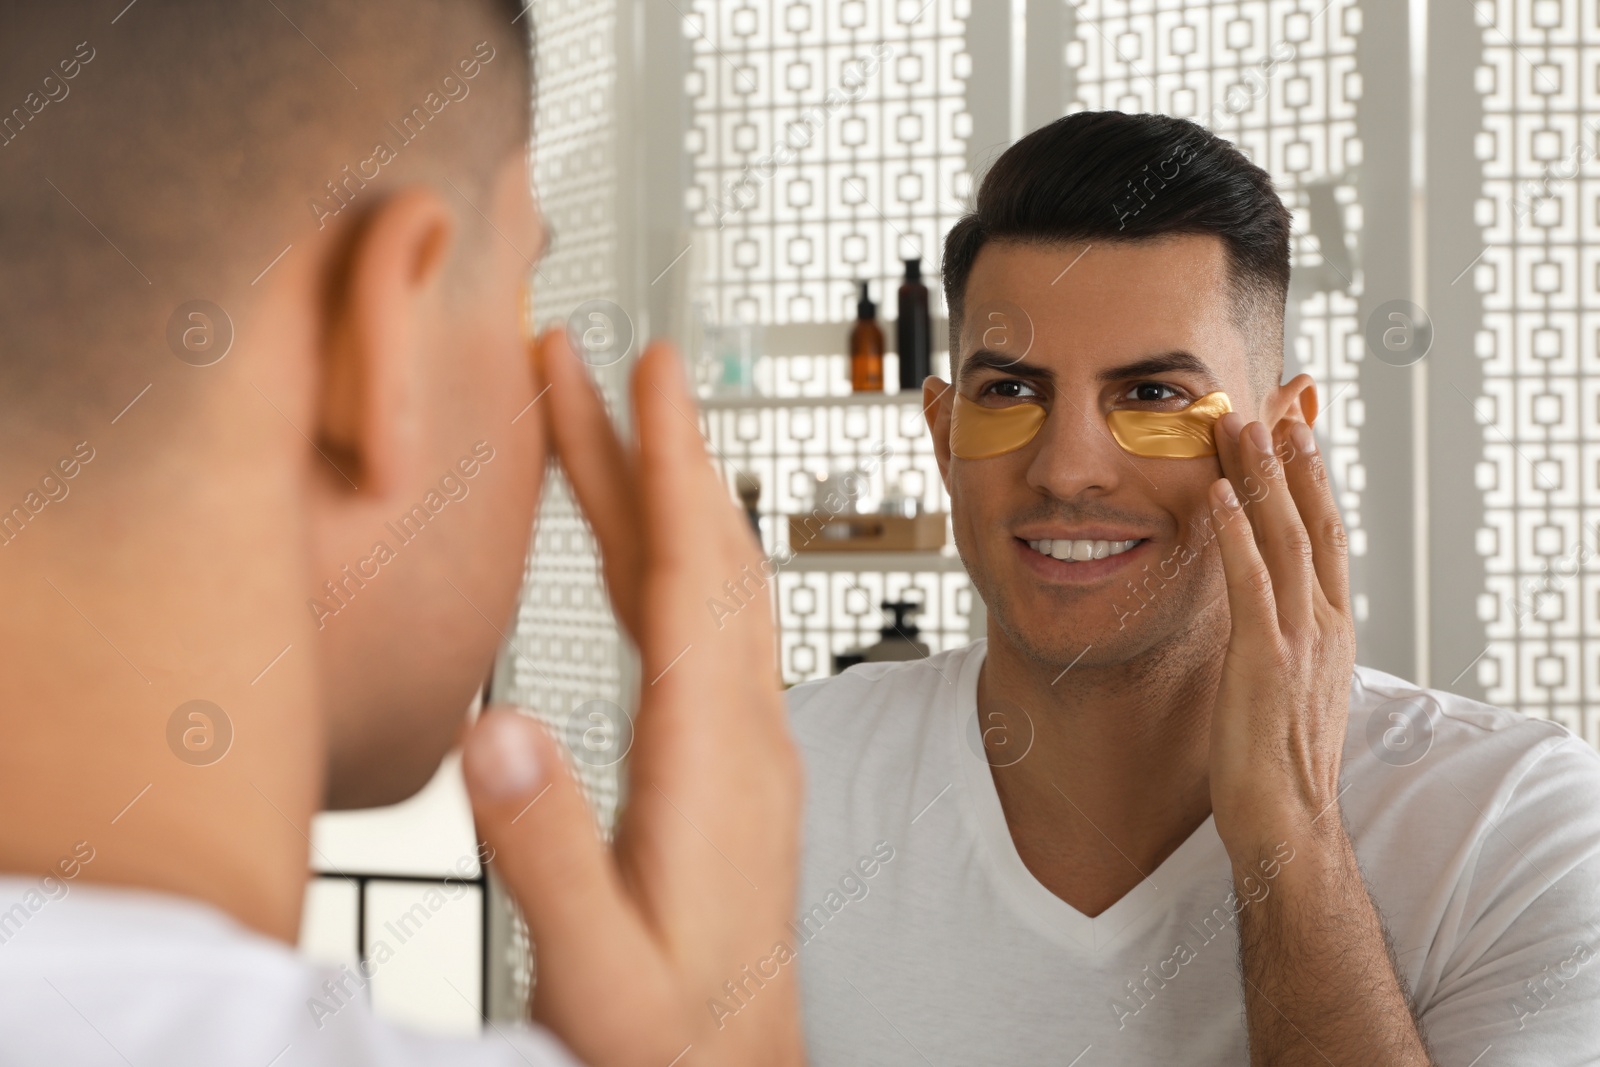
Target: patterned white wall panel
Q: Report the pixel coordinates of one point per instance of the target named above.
(564, 646)
(563, 649)
(1539, 348)
(828, 143)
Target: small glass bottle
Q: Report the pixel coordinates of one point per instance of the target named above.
(866, 347)
(913, 329)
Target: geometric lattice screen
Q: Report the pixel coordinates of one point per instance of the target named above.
(563, 650)
(1539, 349)
(827, 144)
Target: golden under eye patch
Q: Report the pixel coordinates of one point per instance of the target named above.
(978, 432)
(1185, 434)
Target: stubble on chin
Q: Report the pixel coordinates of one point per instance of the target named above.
(1185, 619)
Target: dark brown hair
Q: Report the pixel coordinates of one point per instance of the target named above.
(1109, 176)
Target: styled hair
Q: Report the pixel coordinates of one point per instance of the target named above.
(1110, 176)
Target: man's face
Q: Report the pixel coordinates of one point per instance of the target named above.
(1140, 326)
(404, 658)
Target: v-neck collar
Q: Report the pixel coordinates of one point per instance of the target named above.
(1200, 855)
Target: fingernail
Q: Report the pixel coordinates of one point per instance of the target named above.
(1304, 439)
(1232, 422)
(1227, 494)
(499, 762)
(1260, 440)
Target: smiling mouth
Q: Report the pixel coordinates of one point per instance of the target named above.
(1081, 551)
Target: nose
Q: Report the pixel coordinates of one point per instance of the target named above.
(1076, 454)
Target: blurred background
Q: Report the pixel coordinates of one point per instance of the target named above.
(728, 173)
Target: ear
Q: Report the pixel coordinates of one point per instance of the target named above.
(938, 398)
(383, 303)
(1295, 400)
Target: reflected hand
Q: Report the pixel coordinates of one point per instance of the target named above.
(1278, 726)
(635, 940)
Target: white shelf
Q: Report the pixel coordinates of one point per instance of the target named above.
(757, 403)
(914, 562)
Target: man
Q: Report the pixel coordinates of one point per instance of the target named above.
(1159, 816)
(272, 450)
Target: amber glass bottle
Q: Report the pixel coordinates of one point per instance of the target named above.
(866, 347)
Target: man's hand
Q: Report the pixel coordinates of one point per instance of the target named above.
(1278, 725)
(1320, 986)
(634, 941)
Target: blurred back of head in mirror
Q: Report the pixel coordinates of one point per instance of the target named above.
(171, 154)
(266, 163)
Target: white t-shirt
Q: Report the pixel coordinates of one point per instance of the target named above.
(922, 938)
(112, 976)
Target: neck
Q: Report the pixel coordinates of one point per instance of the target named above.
(1117, 775)
(124, 602)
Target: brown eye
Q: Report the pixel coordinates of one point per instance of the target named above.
(1011, 389)
(1150, 392)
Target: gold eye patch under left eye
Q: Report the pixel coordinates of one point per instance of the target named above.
(977, 432)
(1185, 434)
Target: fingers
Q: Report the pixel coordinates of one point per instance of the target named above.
(1252, 463)
(1246, 485)
(708, 842)
(1285, 545)
(696, 536)
(1251, 603)
(531, 812)
(551, 858)
(1313, 493)
(598, 468)
(711, 721)
(683, 494)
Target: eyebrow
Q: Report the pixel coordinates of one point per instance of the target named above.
(1166, 363)
(988, 359)
(1153, 366)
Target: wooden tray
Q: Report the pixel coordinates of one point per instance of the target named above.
(867, 533)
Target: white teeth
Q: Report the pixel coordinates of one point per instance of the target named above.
(1081, 551)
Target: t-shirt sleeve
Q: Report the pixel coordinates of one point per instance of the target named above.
(354, 1035)
(1521, 987)
(371, 1041)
